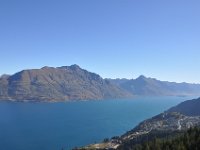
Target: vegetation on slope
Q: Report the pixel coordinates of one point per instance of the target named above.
(188, 140)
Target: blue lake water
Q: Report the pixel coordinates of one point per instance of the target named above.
(52, 126)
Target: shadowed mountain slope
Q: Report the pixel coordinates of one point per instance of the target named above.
(189, 108)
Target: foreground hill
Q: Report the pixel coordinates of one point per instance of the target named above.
(178, 140)
(189, 108)
(150, 86)
(164, 125)
(62, 83)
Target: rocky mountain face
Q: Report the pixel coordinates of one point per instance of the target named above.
(58, 84)
(153, 87)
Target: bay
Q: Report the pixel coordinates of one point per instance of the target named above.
(53, 126)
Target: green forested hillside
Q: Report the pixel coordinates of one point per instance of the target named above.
(188, 140)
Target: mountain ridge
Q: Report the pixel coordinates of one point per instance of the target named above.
(74, 83)
(58, 84)
(189, 107)
(153, 87)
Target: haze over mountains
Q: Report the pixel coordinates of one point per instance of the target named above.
(150, 86)
(75, 83)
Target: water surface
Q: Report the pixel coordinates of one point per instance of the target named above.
(51, 126)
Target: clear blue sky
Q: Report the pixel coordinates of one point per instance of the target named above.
(114, 38)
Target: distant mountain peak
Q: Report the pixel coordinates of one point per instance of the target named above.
(75, 66)
(141, 77)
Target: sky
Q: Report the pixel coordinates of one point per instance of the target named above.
(114, 38)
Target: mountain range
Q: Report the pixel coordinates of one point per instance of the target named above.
(75, 83)
(58, 84)
(151, 86)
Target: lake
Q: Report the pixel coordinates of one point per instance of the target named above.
(53, 126)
